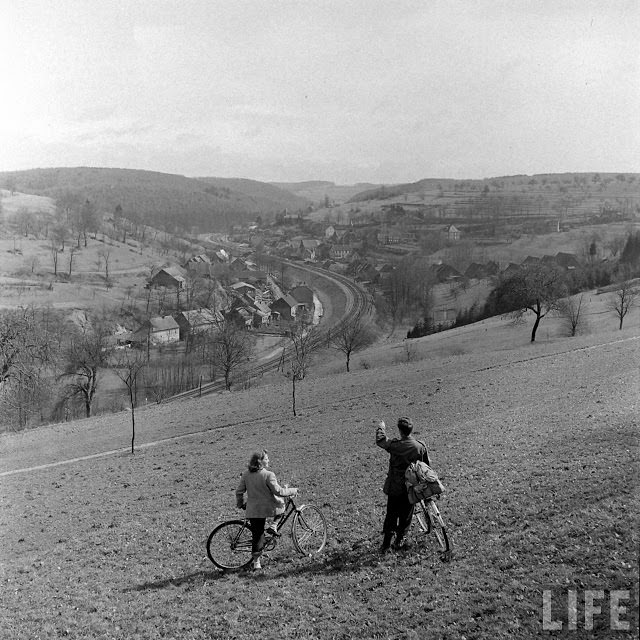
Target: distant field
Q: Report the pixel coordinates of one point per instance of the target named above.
(27, 273)
(536, 444)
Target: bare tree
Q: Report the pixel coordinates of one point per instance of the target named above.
(231, 348)
(22, 343)
(86, 355)
(34, 263)
(128, 367)
(623, 300)
(615, 245)
(352, 336)
(53, 248)
(536, 288)
(72, 254)
(25, 353)
(571, 313)
(302, 343)
(408, 289)
(104, 256)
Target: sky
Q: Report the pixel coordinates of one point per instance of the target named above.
(383, 91)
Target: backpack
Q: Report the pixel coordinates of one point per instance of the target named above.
(421, 482)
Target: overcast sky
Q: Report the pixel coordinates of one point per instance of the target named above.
(342, 90)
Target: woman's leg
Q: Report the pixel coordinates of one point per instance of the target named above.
(257, 535)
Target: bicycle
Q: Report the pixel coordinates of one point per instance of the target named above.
(229, 544)
(429, 519)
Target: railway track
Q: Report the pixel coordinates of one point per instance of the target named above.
(358, 302)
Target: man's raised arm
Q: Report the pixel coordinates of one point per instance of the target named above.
(381, 434)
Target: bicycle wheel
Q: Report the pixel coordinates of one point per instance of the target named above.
(229, 545)
(309, 530)
(422, 516)
(438, 527)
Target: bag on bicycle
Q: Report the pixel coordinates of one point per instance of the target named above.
(421, 482)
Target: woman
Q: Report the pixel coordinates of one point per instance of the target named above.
(264, 500)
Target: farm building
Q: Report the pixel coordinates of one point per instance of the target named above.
(198, 321)
(200, 264)
(173, 277)
(158, 330)
(285, 307)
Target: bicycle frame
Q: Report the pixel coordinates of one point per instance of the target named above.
(290, 508)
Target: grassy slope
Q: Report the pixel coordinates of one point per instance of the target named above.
(537, 446)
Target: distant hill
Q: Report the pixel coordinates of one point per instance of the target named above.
(163, 200)
(316, 190)
(566, 194)
(269, 197)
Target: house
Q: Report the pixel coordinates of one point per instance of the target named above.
(445, 272)
(254, 315)
(385, 272)
(344, 251)
(492, 268)
(243, 288)
(262, 313)
(198, 321)
(444, 316)
(158, 330)
(238, 264)
(304, 296)
(475, 271)
(530, 260)
(200, 264)
(366, 272)
(452, 233)
(220, 257)
(391, 236)
(568, 261)
(308, 249)
(330, 232)
(511, 268)
(172, 277)
(285, 307)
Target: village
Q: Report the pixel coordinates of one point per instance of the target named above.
(245, 267)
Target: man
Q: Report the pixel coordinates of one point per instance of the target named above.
(403, 451)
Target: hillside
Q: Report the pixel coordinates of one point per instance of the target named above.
(318, 190)
(159, 199)
(570, 196)
(536, 444)
(267, 197)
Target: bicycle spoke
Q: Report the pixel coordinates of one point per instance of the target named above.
(229, 545)
(309, 530)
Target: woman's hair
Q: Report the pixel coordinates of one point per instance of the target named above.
(405, 425)
(257, 459)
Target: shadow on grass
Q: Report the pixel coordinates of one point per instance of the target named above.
(195, 577)
(334, 562)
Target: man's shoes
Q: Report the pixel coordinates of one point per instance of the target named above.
(256, 566)
(386, 542)
(401, 545)
(272, 529)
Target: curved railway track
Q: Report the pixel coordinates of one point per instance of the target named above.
(358, 301)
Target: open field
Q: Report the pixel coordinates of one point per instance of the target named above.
(27, 272)
(537, 445)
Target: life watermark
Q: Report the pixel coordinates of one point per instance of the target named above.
(573, 609)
